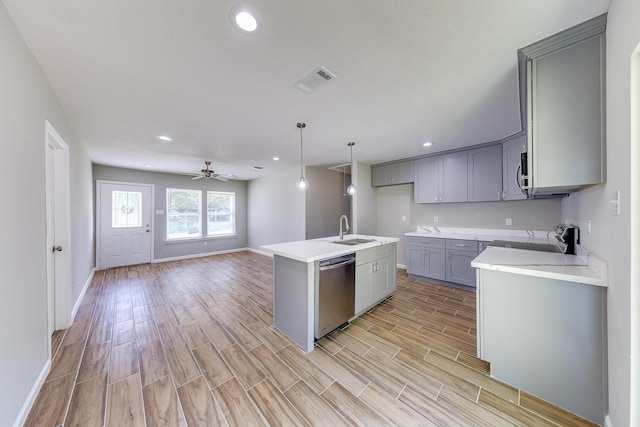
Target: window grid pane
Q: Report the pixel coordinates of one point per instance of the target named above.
(221, 213)
(184, 214)
(126, 209)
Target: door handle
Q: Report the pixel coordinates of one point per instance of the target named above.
(57, 249)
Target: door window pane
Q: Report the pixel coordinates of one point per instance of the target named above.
(126, 209)
(184, 213)
(221, 213)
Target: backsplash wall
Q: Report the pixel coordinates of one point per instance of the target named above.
(524, 214)
(396, 203)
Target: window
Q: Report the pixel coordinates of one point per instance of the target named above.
(125, 209)
(221, 213)
(184, 214)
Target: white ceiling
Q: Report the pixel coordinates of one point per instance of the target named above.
(407, 72)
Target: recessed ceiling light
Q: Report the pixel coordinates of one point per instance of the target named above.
(147, 165)
(244, 19)
(427, 144)
(276, 158)
(164, 138)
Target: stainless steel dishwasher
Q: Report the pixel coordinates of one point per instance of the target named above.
(335, 293)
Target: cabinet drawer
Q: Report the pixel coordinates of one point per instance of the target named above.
(463, 245)
(427, 242)
(367, 255)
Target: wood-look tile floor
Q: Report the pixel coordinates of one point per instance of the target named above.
(191, 343)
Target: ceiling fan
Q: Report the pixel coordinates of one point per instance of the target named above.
(209, 174)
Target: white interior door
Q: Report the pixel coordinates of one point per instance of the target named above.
(51, 238)
(124, 224)
(58, 217)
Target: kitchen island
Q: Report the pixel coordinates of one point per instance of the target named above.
(296, 274)
(541, 322)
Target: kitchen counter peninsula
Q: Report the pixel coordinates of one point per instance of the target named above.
(296, 269)
(541, 322)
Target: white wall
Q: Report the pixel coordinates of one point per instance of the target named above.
(611, 234)
(364, 205)
(396, 202)
(26, 102)
(276, 209)
(161, 181)
(325, 202)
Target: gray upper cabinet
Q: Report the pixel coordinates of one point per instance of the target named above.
(512, 175)
(484, 174)
(392, 174)
(566, 110)
(441, 179)
(426, 189)
(453, 177)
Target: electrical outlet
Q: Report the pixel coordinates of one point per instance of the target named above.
(435, 219)
(404, 218)
(508, 221)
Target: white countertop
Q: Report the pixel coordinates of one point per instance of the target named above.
(582, 268)
(323, 248)
(484, 234)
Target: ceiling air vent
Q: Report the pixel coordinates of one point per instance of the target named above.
(318, 77)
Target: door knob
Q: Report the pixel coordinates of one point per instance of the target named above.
(57, 249)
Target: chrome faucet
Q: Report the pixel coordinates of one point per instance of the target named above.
(346, 220)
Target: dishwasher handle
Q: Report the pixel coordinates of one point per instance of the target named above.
(337, 265)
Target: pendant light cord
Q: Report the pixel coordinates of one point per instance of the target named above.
(301, 161)
(301, 125)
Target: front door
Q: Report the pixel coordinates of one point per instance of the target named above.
(124, 224)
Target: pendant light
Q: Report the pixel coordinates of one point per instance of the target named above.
(303, 184)
(351, 189)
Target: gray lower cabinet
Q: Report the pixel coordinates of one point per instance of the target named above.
(547, 337)
(484, 174)
(392, 174)
(442, 259)
(375, 276)
(482, 246)
(426, 257)
(460, 253)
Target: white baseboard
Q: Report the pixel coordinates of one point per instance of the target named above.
(82, 293)
(401, 266)
(31, 398)
(258, 251)
(200, 255)
(607, 421)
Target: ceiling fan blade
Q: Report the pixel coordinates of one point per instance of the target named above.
(219, 178)
(198, 177)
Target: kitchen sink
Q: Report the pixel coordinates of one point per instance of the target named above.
(353, 242)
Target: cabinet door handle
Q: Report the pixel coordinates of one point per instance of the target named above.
(461, 245)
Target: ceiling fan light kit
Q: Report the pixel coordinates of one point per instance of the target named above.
(207, 173)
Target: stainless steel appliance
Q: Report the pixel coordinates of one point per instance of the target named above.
(568, 236)
(335, 293)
